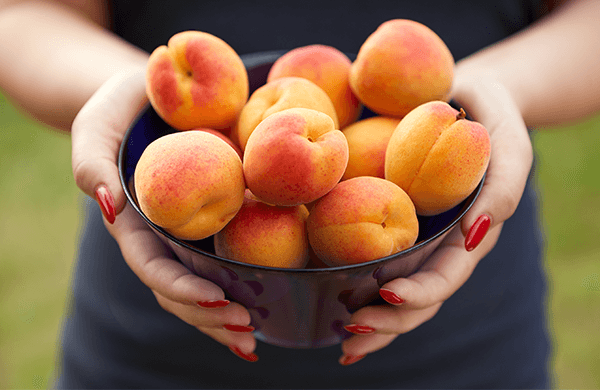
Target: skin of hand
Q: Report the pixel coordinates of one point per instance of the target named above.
(96, 136)
(100, 125)
(507, 87)
(417, 298)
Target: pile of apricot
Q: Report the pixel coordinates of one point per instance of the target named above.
(290, 176)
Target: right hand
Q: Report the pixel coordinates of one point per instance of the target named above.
(97, 133)
(418, 297)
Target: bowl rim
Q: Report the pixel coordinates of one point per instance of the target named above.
(470, 200)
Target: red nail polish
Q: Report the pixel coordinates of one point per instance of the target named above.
(251, 357)
(215, 304)
(390, 297)
(359, 329)
(347, 360)
(107, 203)
(239, 328)
(477, 232)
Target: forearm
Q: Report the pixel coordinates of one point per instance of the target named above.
(53, 59)
(551, 68)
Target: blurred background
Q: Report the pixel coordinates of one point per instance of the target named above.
(39, 228)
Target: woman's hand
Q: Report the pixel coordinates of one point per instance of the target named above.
(529, 75)
(417, 298)
(97, 133)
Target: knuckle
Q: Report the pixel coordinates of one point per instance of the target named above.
(508, 201)
(162, 302)
(76, 124)
(424, 316)
(80, 168)
(526, 149)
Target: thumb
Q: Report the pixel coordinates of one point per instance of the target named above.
(511, 157)
(97, 133)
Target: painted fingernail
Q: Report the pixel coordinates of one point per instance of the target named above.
(250, 357)
(239, 328)
(477, 232)
(359, 329)
(390, 297)
(347, 360)
(215, 304)
(107, 203)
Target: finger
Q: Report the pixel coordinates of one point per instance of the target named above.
(97, 133)
(233, 318)
(391, 322)
(445, 271)
(152, 261)
(389, 319)
(242, 344)
(357, 348)
(210, 323)
(511, 156)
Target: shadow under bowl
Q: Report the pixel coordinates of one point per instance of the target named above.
(294, 308)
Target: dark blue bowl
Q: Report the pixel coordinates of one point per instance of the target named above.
(296, 308)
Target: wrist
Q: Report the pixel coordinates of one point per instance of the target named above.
(474, 85)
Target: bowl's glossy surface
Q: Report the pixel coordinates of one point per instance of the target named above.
(296, 308)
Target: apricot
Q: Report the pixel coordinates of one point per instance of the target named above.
(401, 65)
(278, 95)
(327, 67)
(225, 138)
(367, 143)
(190, 183)
(437, 156)
(294, 156)
(196, 80)
(267, 235)
(362, 219)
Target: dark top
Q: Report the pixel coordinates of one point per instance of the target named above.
(254, 26)
(490, 334)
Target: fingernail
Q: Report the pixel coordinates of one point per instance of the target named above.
(390, 297)
(477, 232)
(359, 329)
(250, 357)
(107, 203)
(347, 360)
(239, 328)
(215, 304)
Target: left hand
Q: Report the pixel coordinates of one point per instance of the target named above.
(97, 134)
(417, 298)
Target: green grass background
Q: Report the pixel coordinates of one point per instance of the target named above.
(39, 227)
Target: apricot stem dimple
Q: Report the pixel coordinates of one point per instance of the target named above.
(461, 114)
(383, 225)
